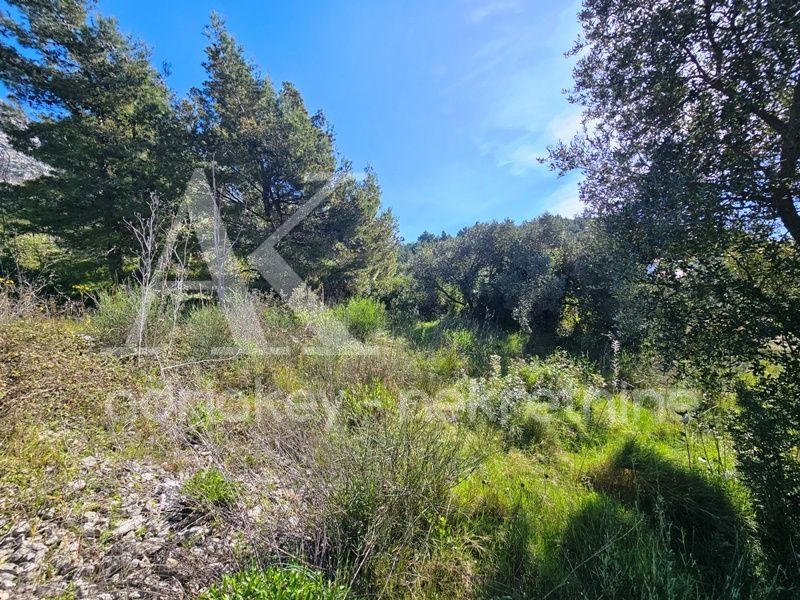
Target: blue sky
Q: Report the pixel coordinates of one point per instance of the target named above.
(450, 101)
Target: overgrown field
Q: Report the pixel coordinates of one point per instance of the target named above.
(446, 463)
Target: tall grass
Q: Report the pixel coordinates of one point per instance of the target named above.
(383, 481)
(571, 494)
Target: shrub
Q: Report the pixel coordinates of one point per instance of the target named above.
(210, 488)
(496, 396)
(767, 436)
(446, 364)
(364, 317)
(201, 420)
(276, 583)
(558, 373)
(362, 402)
(462, 340)
(205, 329)
(21, 299)
(531, 424)
(384, 482)
(115, 317)
(513, 345)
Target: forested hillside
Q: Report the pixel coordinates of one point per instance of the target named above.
(225, 375)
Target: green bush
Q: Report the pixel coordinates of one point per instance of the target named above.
(384, 483)
(559, 372)
(531, 424)
(513, 345)
(210, 488)
(115, 318)
(205, 329)
(276, 583)
(364, 317)
(202, 419)
(767, 436)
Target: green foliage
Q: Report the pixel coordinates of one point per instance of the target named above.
(751, 289)
(695, 65)
(269, 151)
(276, 583)
(276, 316)
(538, 402)
(622, 520)
(552, 281)
(453, 346)
(385, 481)
(507, 274)
(34, 252)
(364, 402)
(710, 206)
(114, 317)
(559, 372)
(693, 167)
(364, 317)
(103, 123)
(202, 419)
(768, 439)
(205, 329)
(572, 495)
(114, 321)
(617, 556)
(677, 500)
(210, 488)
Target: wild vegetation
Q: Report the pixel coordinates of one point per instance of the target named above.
(599, 407)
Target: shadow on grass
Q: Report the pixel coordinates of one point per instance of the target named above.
(511, 558)
(651, 530)
(698, 516)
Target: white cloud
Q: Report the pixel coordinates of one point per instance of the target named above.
(486, 10)
(571, 207)
(565, 201)
(519, 157)
(512, 80)
(565, 125)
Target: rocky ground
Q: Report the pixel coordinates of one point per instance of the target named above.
(127, 532)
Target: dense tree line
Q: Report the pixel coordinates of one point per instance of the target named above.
(558, 280)
(85, 101)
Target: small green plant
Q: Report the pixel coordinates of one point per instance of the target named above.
(364, 317)
(363, 401)
(205, 329)
(210, 488)
(276, 583)
(115, 321)
(114, 317)
(202, 419)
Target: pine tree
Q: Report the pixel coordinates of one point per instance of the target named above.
(85, 100)
(269, 153)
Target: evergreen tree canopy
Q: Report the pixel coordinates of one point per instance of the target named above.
(693, 118)
(85, 100)
(271, 156)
